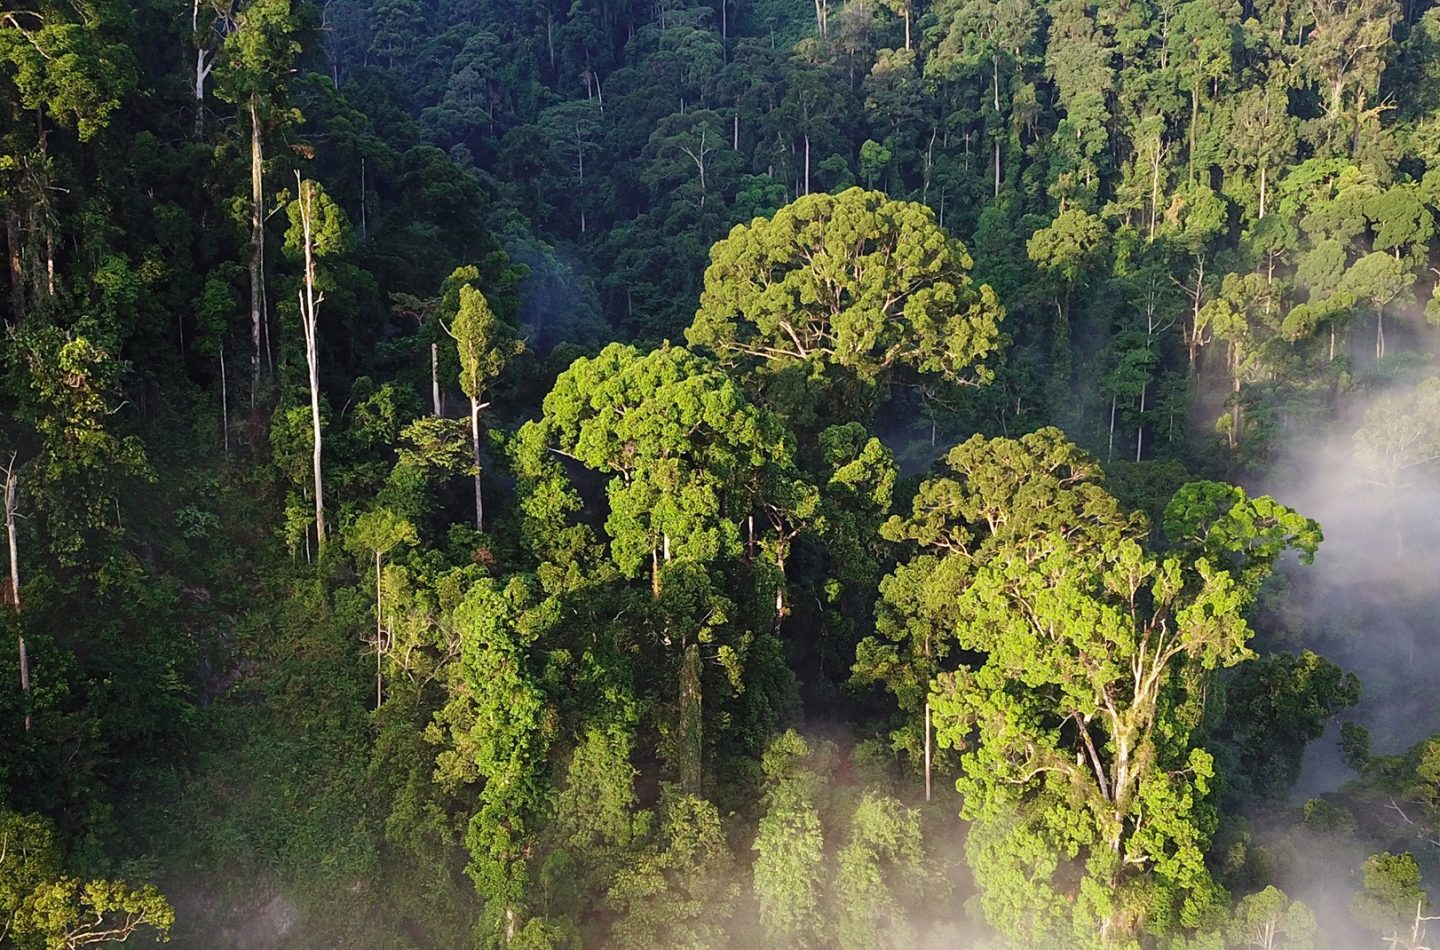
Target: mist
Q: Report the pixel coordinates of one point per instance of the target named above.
(1369, 601)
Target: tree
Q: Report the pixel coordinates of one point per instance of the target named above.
(40, 906)
(680, 889)
(1347, 51)
(1391, 895)
(378, 532)
(83, 460)
(317, 229)
(1378, 278)
(980, 33)
(485, 345)
(500, 731)
(688, 461)
(878, 874)
(1269, 710)
(790, 847)
(1400, 435)
(1246, 315)
(258, 54)
(849, 288)
(1066, 248)
(1090, 654)
(1269, 920)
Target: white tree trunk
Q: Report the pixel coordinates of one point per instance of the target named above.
(310, 302)
(475, 449)
(257, 246)
(435, 378)
(11, 487)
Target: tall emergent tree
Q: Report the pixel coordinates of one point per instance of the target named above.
(1079, 658)
(836, 293)
(376, 533)
(317, 229)
(485, 344)
(259, 48)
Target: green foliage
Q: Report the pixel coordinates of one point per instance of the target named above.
(845, 290)
(1079, 708)
(1269, 919)
(482, 341)
(1188, 211)
(43, 908)
(1272, 708)
(790, 847)
(878, 873)
(679, 889)
(1390, 895)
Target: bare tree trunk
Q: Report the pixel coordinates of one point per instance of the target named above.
(927, 750)
(995, 72)
(224, 404)
(310, 302)
(257, 246)
(435, 378)
(1234, 397)
(202, 72)
(11, 487)
(475, 448)
(1110, 452)
(1194, 121)
(1140, 426)
(690, 736)
(17, 266)
(379, 636)
(1155, 184)
(807, 162)
(364, 226)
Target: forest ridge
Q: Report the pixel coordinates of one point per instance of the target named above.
(703, 474)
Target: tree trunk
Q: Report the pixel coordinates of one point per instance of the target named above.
(1380, 333)
(807, 161)
(17, 266)
(309, 316)
(1155, 183)
(435, 378)
(1197, 298)
(202, 72)
(379, 637)
(11, 487)
(689, 737)
(927, 750)
(1234, 396)
(224, 404)
(475, 449)
(1194, 121)
(1110, 452)
(995, 73)
(1140, 426)
(257, 245)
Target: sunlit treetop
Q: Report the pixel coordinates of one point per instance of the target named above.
(855, 282)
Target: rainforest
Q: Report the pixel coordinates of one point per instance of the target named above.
(720, 473)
